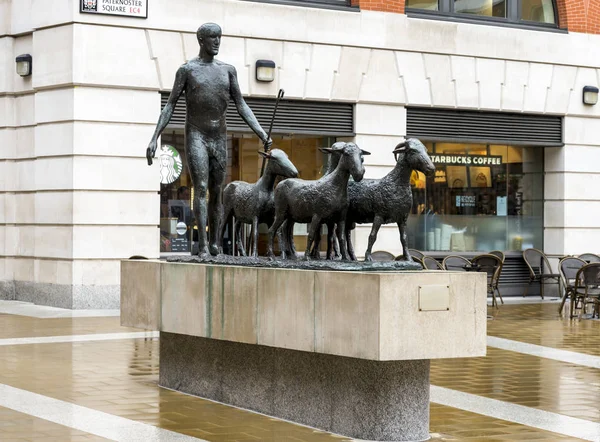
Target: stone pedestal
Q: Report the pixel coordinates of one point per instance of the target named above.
(362, 399)
(346, 352)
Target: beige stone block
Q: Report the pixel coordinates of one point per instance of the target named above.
(117, 208)
(6, 58)
(561, 87)
(52, 241)
(25, 110)
(184, 300)
(490, 76)
(115, 242)
(53, 173)
(53, 56)
(538, 87)
(382, 81)
(324, 63)
(465, 80)
(232, 294)
(23, 269)
(408, 333)
(8, 144)
(411, 68)
(132, 66)
(25, 143)
(439, 73)
(140, 294)
(110, 173)
(54, 105)
(50, 271)
(515, 82)
(354, 63)
(50, 12)
(54, 207)
(373, 119)
(286, 309)
(97, 272)
(19, 14)
(293, 70)
(167, 49)
(25, 208)
(7, 111)
(116, 105)
(110, 139)
(11, 240)
(260, 50)
(347, 320)
(25, 179)
(56, 139)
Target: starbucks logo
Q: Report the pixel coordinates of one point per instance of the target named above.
(170, 164)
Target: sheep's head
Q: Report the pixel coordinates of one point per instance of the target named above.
(279, 163)
(351, 157)
(415, 155)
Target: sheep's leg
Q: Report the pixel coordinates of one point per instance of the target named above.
(226, 217)
(255, 237)
(349, 242)
(289, 237)
(312, 233)
(336, 244)
(341, 235)
(373, 237)
(402, 229)
(238, 238)
(331, 231)
(279, 219)
(315, 249)
(281, 241)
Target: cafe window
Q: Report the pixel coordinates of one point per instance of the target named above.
(178, 233)
(482, 197)
(525, 12)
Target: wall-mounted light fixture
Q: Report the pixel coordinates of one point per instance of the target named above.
(24, 65)
(590, 95)
(265, 70)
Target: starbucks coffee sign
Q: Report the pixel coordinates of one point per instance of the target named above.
(170, 164)
(127, 8)
(467, 160)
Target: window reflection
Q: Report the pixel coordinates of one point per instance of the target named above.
(541, 11)
(482, 197)
(431, 5)
(487, 8)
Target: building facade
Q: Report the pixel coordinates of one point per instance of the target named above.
(493, 88)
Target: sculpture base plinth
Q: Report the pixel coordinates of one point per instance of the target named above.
(358, 398)
(300, 264)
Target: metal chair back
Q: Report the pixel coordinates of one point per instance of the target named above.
(381, 255)
(587, 285)
(430, 263)
(489, 264)
(416, 253)
(537, 262)
(499, 254)
(568, 269)
(455, 263)
(590, 257)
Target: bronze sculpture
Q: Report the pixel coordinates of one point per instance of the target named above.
(254, 203)
(319, 201)
(208, 84)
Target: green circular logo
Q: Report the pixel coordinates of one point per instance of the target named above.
(170, 164)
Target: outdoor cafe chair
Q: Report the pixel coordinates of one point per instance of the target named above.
(539, 269)
(499, 254)
(416, 253)
(568, 269)
(381, 255)
(430, 263)
(455, 263)
(490, 264)
(589, 257)
(587, 286)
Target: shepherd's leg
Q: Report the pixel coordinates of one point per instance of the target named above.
(373, 237)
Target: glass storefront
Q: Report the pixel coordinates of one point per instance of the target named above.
(483, 197)
(177, 229)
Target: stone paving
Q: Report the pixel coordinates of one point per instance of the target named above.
(119, 377)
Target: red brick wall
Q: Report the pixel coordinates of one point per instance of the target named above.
(574, 15)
